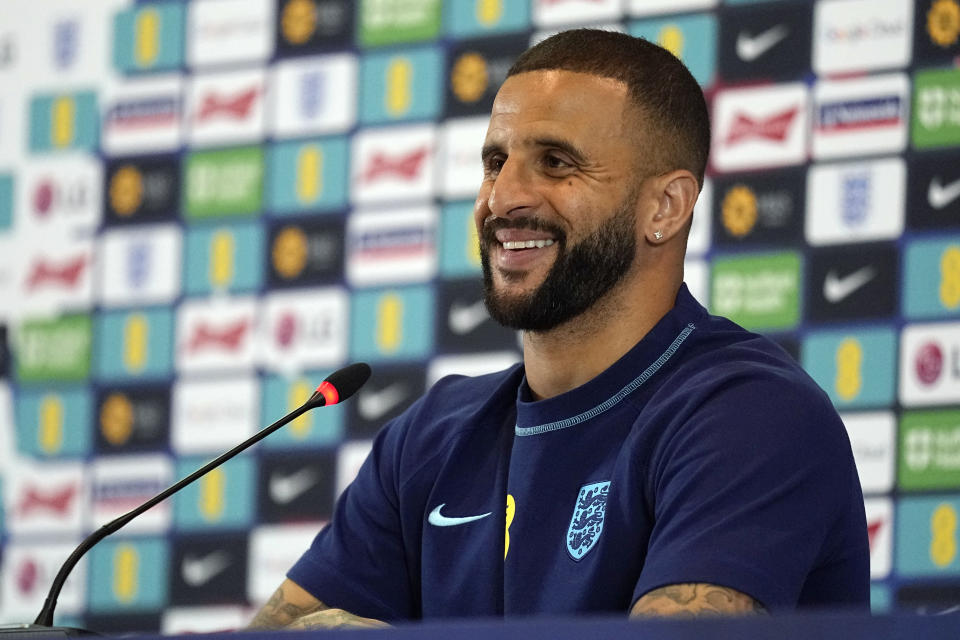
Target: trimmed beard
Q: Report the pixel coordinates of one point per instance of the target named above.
(579, 277)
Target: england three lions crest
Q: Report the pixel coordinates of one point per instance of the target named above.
(587, 521)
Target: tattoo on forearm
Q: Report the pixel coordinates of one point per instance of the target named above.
(278, 613)
(695, 599)
(336, 619)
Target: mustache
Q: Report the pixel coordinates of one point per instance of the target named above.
(493, 224)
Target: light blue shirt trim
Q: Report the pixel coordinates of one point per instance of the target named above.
(616, 398)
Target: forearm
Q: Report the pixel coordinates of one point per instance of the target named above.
(289, 603)
(695, 599)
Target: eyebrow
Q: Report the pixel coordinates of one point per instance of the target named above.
(557, 143)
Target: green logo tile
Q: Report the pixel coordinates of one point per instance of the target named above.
(930, 450)
(396, 21)
(55, 349)
(936, 108)
(759, 292)
(225, 182)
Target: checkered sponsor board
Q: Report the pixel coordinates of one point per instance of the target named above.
(208, 205)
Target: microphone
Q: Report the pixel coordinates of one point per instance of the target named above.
(337, 387)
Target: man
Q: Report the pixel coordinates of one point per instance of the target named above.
(645, 457)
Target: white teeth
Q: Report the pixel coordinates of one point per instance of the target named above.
(527, 244)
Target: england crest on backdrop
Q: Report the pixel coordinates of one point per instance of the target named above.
(586, 525)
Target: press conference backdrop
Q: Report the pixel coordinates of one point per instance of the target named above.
(205, 207)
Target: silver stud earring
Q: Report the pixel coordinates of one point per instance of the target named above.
(657, 235)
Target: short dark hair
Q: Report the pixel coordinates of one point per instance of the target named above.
(662, 88)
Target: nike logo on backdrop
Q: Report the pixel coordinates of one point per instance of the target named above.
(198, 571)
(940, 195)
(749, 48)
(284, 489)
(373, 405)
(837, 289)
(464, 318)
(435, 518)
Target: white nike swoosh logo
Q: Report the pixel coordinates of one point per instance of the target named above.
(464, 318)
(284, 489)
(749, 48)
(437, 519)
(373, 405)
(940, 195)
(198, 571)
(836, 289)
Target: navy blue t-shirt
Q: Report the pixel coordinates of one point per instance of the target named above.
(705, 454)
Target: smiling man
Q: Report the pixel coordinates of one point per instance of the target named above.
(645, 457)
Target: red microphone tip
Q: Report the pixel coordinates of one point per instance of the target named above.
(329, 392)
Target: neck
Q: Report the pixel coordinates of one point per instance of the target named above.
(574, 353)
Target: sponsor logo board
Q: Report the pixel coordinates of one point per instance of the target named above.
(860, 116)
(768, 41)
(229, 31)
(459, 245)
(852, 282)
(861, 35)
(855, 201)
(133, 419)
(936, 109)
(128, 575)
(461, 143)
(226, 108)
(305, 26)
(464, 323)
(929, 450)
(931, 277)
(216, 334)
(691, 38)
(482, 17)
(857, 369)
(297, 487)
(936, 35)
(54, 422)
(350, 457)
(401, 86)
(142, 114)
(646, 7)
(872, 437)
(388, 393)
(54, 350)
(311, 96)
(392, 165)
(305, 328)
(930, 364)
(59, 195)
(472, 364)
(392, 324)
(209, 570)
(307, 176)
(149, 37)
(45, 499)
(760, 127)
(397, 21)
(387, 247)
(933, 191)
(273, 550)
(758, 291)
(223, 182)
(29, 569)
(550, 13)
(475, 71)
(762, 209)
(119, 484)
(213, 415)
(217, 258)
(135, 344)
(139, 190)
(64, 121)
(223, 498)
(56, 274)
(926, 543)
(305, 253)
(282, 394)
(139, 265)
(879, 512)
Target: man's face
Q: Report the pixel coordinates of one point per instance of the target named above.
(556, 211)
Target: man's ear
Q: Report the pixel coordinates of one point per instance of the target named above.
(675, 194)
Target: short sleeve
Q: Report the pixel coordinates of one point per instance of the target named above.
(747, 485)
(357, 562)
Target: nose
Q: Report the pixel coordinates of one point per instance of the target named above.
(513, 190)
